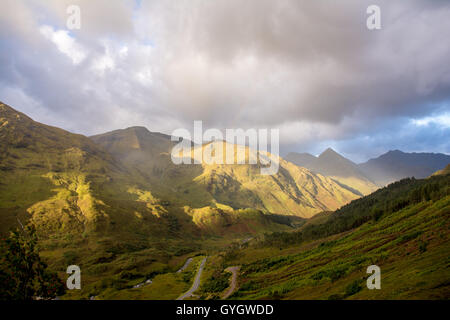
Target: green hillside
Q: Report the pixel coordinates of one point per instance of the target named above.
(403, 228)
(443, 172)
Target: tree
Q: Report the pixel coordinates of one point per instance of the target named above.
(23, 275)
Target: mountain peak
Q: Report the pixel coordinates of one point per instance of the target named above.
(137, 129)
(329, 152)
(396, 151)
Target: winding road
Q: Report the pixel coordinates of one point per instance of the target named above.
(196, 283)
(188, 261)
(234, 271)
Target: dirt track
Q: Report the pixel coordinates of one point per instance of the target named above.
(232, 288)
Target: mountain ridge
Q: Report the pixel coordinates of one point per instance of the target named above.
(66, 184)
(219, 182)
(395, 164)
(333, 165)
(123, 184)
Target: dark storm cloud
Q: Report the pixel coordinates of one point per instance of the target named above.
(311, 68)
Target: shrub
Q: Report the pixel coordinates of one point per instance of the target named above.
(23, 275)
(217, 283)
(353, 288)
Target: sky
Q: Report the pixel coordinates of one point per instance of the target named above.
(312, 69)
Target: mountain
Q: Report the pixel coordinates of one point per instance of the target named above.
(396, 165)
(305, 160)
(116, 205)
(123, 185)
(116, 202)
(67, 186)
(46, 168)
(291, 191)
(331, 164)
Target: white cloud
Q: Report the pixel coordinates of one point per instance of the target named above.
(442, 120)
(311, 69)
(123, 52)
(65, 43)
(145, 76)
(103, 63)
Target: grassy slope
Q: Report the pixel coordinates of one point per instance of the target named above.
(410, 245)
(167, 286)
(333, 264)
(444, 171)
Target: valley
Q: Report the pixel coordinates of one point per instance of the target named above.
(141, 227)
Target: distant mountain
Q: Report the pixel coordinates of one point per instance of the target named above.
(292, 191)
(305, 160)
(395, 165)
(337, 167)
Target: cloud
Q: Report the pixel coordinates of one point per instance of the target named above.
(310, 68)
(441, 120)
(65, 43)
